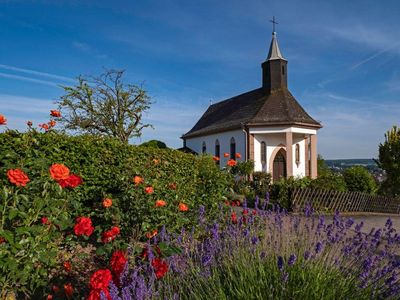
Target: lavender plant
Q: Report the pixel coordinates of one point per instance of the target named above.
(270, 254)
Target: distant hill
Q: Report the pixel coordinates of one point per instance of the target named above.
(341, 164)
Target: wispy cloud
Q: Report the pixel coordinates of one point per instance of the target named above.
(24, 105)
(36, 73)
(374, 56)
(86, 48)
(30, 79)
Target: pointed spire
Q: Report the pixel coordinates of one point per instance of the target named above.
(274, 52)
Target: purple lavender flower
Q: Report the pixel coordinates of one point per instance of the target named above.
(318, 247)
(263, 255)
(349, 222)
(280, 263)
(307, 255)
(254, 240)
(389, 223)
(308, 211)
(257, 202)
(292, 259)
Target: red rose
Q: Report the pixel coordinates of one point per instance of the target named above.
(2, 240)
(29, 123)
(160, 203)
(100, 279)
(72, 181)
(226, 154)
(183, 207)
(234, 218)
(138, 180)
(44, 220)
(231, 163)
(59, 172)
(238, 155)
(67, 266)
(149, 190)
(44, 126)
(83, 226)
(3, 120)
(52, 123)
(110, 235)
(17, 177)
(107, 236)
(160, 267)
(107, 202)
(49, 297)
(55, 113)
(115, 230)
(69, 290)
(215, 158)
(118, 262)
(149, 235)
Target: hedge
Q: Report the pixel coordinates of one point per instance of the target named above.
(108, 167)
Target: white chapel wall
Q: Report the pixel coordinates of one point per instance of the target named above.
(300, 169)
(224, 139)
(274, 141)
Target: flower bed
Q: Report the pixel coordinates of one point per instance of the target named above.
(267, 254)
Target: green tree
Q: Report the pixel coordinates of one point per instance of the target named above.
(358, 179)
(104, 105)
(322, 167)
(330, 181)
(389, 160)
(154, 144)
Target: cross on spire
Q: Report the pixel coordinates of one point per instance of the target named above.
(273, 21)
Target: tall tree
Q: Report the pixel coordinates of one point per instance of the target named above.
(358, 179)
(105, 105)
(389, 160)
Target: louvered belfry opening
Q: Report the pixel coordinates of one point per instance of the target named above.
(274, 68)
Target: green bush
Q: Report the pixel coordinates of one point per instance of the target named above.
(33, 219)
(154, 144)
(358, 179)
(329, 181)
(108, 166)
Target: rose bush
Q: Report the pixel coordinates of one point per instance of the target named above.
(133, 177)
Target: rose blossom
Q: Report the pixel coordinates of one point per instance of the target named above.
(17, 177)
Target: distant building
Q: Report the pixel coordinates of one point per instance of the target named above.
(266, 125)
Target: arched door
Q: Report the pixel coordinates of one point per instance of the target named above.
(279, 165)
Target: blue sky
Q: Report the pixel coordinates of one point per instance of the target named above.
(344, 59)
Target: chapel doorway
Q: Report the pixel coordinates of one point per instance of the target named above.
(279, 165)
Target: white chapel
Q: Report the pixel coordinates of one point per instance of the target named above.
(266, 125)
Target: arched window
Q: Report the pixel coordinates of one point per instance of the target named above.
(204, 148)
(217, 150)
(263, 153)
(233, 148)
(297, 154)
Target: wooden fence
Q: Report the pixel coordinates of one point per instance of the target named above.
(343, 201)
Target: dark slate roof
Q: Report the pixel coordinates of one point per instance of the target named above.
(187, 150)
(257, 107)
